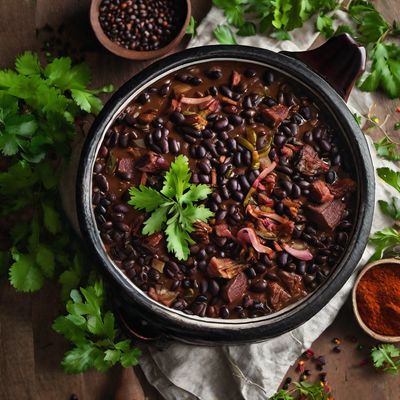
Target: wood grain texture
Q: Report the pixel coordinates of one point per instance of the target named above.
(30, 352)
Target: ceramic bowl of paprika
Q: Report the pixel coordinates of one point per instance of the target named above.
(356, 301)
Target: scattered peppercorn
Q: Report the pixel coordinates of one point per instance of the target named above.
(337, 349)
(322, 377)
(288, 380)
(300, 366)
(309, 354)
(320, 362)
(307, 372)
(139, 25)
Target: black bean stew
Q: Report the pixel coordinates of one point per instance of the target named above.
(282, 199)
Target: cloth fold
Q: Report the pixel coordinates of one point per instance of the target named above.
(254, 371)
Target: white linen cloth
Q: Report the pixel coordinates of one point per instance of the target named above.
(254, 371)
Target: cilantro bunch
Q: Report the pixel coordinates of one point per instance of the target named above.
(303, 390)
(277, 18)
(93, 333)
(172, 208)
(40, 110)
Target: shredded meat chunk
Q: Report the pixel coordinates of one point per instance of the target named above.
(277, 295)
(201, 232)
(309, 162)
(341, 187)
(276, 114)
(327, 215)
(224, 268)
(319, 192)
(152, 162)
(235, 288)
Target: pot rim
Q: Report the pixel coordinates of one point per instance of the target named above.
(325, 95)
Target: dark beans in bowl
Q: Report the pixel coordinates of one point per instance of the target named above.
(282, 200)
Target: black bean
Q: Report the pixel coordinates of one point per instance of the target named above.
(251, 273)
(246, 158)
(224, 312)
(200, 151)
(220, 215)
(279, 140)
(244, 183)
(249, 73)
(233, 184)
(287, 186)
(238, 196)
(291, 267)
(204, 166)
(284, 170)
(98, 167)
(213, 287)
(296, 191)
(220, 147)
(124, 140)
(122, 227)
(102, 182)
(345, 226)
(226, 91)
(301, 267)
(269, 101)
(324, 145)
(223, 135)
(259, 286)
(342, 238)
(177, 117)
(114, 139)
(174, 146)
(235, 120)
(214, 73)
(279, 208)
(224, 193)
(204, 178)
(164, 89)
(336, 160)
(282, 258)
(268, 78)
(305, 112)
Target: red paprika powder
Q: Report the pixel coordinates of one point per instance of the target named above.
(378, 299)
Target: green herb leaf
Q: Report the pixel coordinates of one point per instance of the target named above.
(385, 70)
(173, 207)
(145, 198)
(280, 35)
(282, 395)
(233, 11)
(28, 64)
(25, 274)
(192, 27)
(386, 357)
(390, 177)
(392, 209)
(324, 25)
(383, 240)
(224, 35)
(386, 149)
(247, 29)
(357, 117)
(370, 24)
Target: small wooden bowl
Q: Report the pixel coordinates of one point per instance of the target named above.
(134, 54)
(369, 331)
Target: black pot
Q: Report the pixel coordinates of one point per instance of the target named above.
(340, 61)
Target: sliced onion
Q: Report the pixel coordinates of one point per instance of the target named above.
(196, 100)
(266, 171)
(304, 255)
(248, 235)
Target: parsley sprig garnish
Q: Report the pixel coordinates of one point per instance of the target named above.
(387, 358)
(172, 208)
(309, 391)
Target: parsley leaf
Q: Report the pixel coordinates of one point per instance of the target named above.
(387, 358)
(192, 27)
(382, 240)
(324, 25)
(224, 35)
(386, 149)
(247, 29)
(371, 26)
(282, 395)
(390, 177)
(385, 70)
(173, 207)
(392, 209)
(92, 331)
(28, 64)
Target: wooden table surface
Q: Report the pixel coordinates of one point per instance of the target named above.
(30, 352)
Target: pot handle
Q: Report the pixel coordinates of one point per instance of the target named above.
(340, 61)
(139, 330)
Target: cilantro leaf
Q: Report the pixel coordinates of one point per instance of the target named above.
(386, 357)
(145, 198)
(392, 209)
(156, 221)
(224, 35)
(282, 395)
(324, 25)
(45, 259)
(28, 64)
(382, 240)
(247, 29)
(25, 274)
(385, 70)
(280, 35)
(390, 177)
(192, 27)
(386, 149)
(233, 11)
(371, 26)
(86, 101)
(173, 207)
(51, 218)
